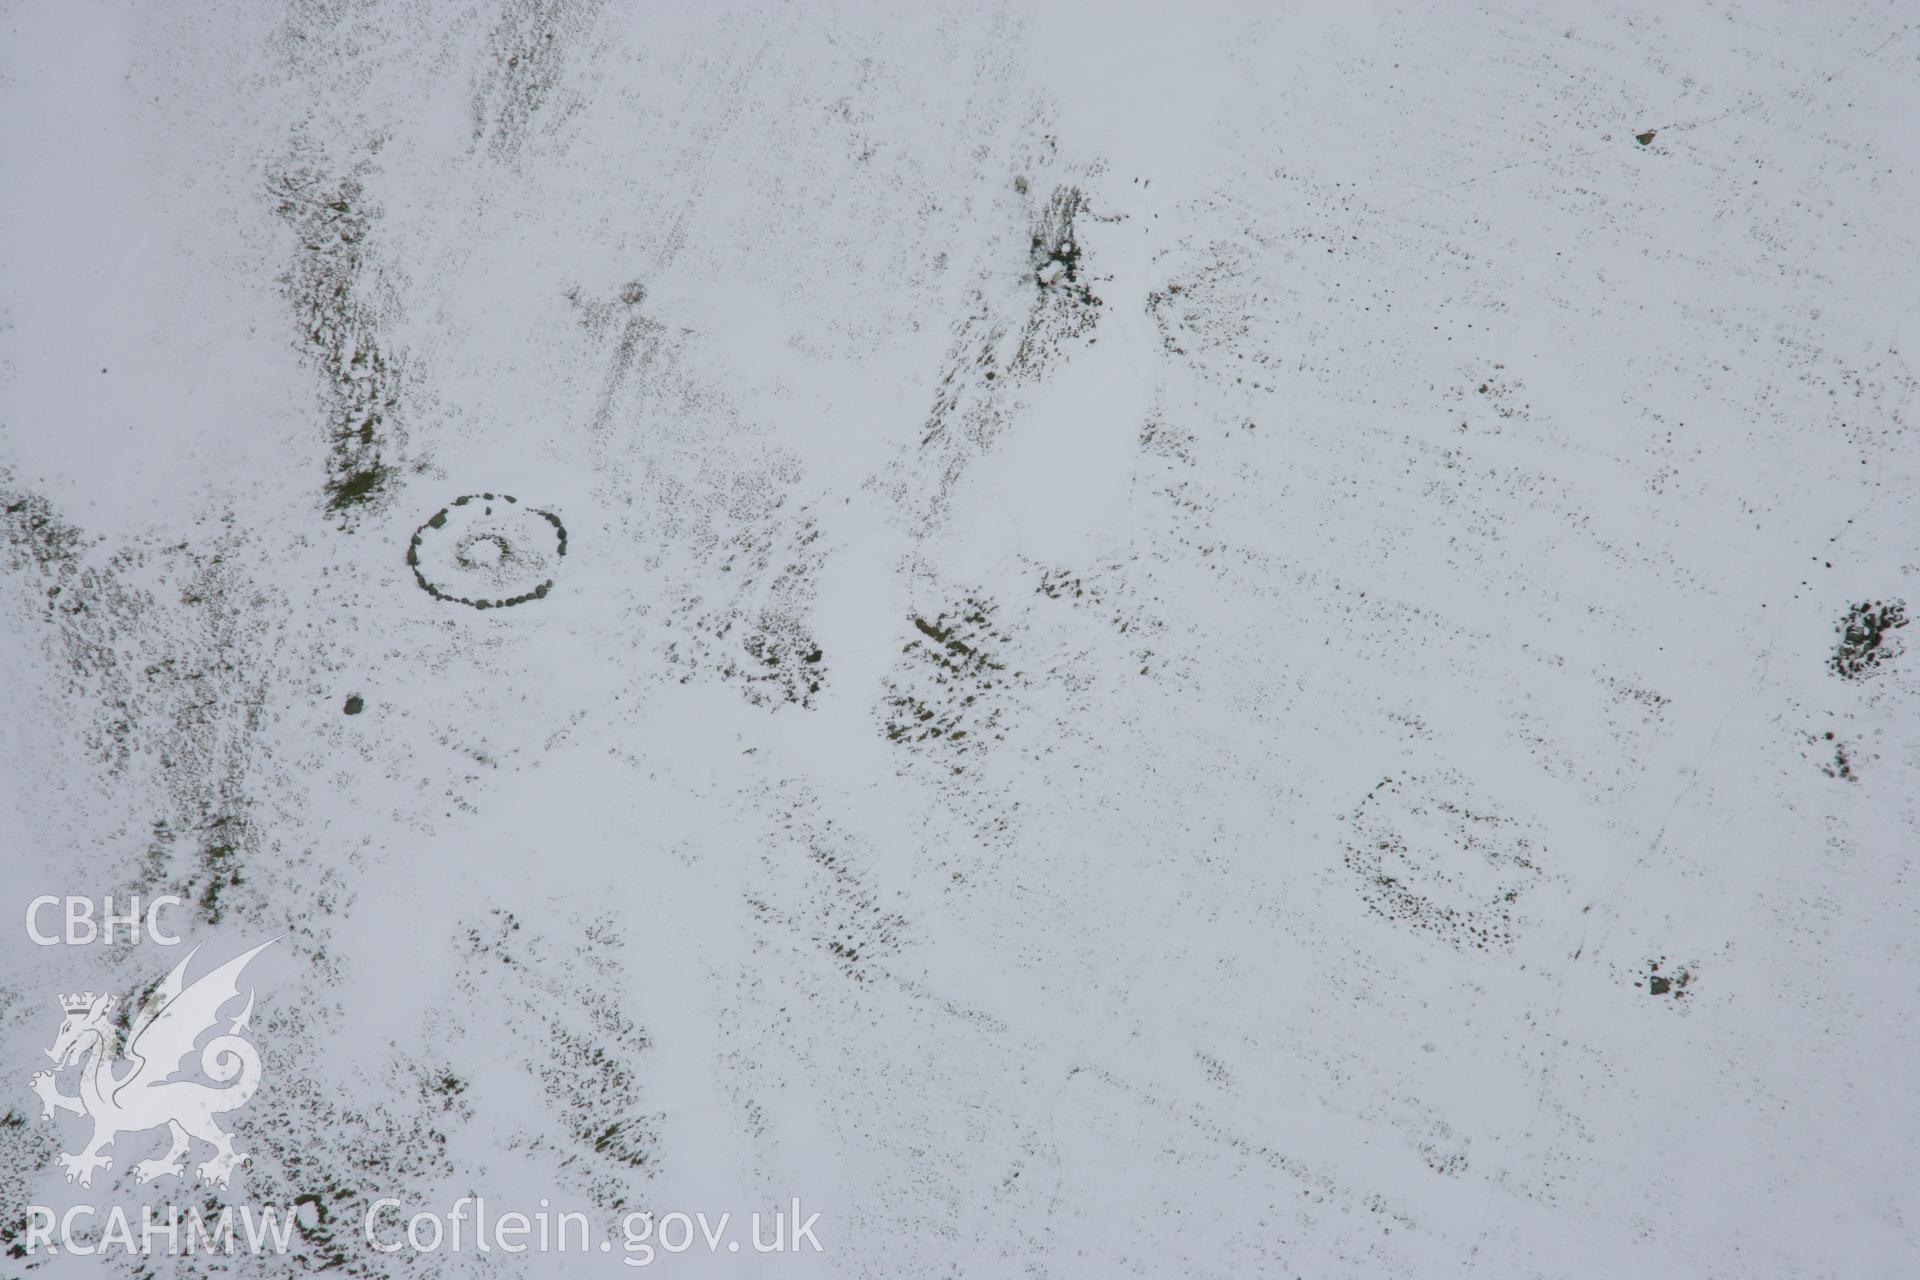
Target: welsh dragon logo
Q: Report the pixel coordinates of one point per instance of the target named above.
(146, 1089)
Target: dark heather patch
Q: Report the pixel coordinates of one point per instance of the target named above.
(947, 695)
(1673, 983)
(170, 684)
(757, 637)
(1866, 638)
(1439, 863)
(330, 290)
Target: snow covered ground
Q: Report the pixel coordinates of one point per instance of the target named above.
(1146, 640)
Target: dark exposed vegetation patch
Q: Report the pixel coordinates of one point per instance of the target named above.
(1493, 395)
(1866, 634)
(1218, 317)
(1162, 439)
(1649, 699)
(557, 1018)
(523, 78)
(946, 692)
(40, 541)
(1428, 860)
(773, 658)
(963, 396)
(1105, 592)
(759, 641)
(326, 1228)
(357, 486)
(355, 704)
(487, 551)
(168, 684)
(331, 1157)
(1066, 309)
(1833, 756)
(1448, 1161)
(1842, 766)
(1673, 982)
(25, 1150)
(829, 903)
(332, 299)
(1055, 249)
(1159, 305)
(994, 353)
(1442, 1148)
